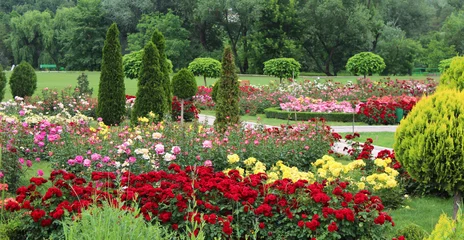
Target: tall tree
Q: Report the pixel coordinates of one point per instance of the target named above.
(158, 40)
(150, 92)
(227, 109)
(31, 36)
(111, 93)
(84, 36)
(170, 26)
(334, 31)
(453, 28)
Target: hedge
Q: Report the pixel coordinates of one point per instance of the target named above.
(276, 112)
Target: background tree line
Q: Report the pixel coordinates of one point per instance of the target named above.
(320, 34)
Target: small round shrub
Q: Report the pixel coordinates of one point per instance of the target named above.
(23, 80)
(365, 63)
(282, 68)
(206, 67)
(184, 84)
(412, 232)
(454, 75)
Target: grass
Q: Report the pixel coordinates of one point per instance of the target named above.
(423, 211)
(383, 139)
(278, 122)
(60, 80)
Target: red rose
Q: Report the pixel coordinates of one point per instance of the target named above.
(261, 225)
(332, 227)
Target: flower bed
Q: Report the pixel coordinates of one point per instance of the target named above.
(307, 104)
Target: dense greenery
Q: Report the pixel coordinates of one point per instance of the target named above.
(321, 35)
(3, 82)
(454, 75)
(365, 63)
(23, 80)
(160, 43)
(150, 91)
(111, 93)
(429, 143)
(227, 108)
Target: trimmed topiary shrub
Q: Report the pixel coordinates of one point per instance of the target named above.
(23, 80)
(160, 43)
(282, 68)
(184, 86)
(227, 108)
(206, 67)
(150, 92)
(365, 63)
(454, 75)
(429, 143)
(2, 83)
(112, 91)
(412, 232)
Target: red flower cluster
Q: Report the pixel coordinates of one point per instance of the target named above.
(190, 111)
(381, 110)
(280, 207)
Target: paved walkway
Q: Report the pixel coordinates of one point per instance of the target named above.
(339, 146)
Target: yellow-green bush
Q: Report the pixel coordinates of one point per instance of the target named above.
(454, 75)
(448, 229)
(429, 143)
(412, 232)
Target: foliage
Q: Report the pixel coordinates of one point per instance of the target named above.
(23, 80)
(3, 82)
(448, 228)
(184, 84)
(444, 65)
(435, 122)
(206, 67)
(150, 92)
(171, 26)
(454, 75)
(437, 51)
(282, 68)
(453, 28)
(159, 41)
(131, 63)
(227, 108)
(365, 63)
(83, 85)
(111, 91)
(95, 222)
(190, 110)
(412, 232)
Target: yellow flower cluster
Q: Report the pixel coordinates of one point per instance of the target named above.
(281, 171)
(233, 158)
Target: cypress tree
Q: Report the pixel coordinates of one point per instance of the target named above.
(2, 83)
(160, 43)
(23, 80)
(150, 95)
(111, 93)
(227, 109)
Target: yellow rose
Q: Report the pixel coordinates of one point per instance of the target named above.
(233, 158)
(361, 185)
(250, 161)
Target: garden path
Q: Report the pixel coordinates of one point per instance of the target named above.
(339, 146)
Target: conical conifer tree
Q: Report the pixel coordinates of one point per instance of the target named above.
(111, 93)
(150, 93)
(2, 83)
(227, 108)
(160, 42)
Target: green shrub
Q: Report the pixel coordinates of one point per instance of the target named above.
(429, 143)
(2, 83)
(227, 106)
(444, 65)
(83, 85)
(282, 68)
(276, 112)
(131, 63)
(412, 232)
(454, 75)
(365, 63)
(150, 95)
(206, 67)
(108, 222)
(448, 228)
(184, 86)
(23, 80)
(112, 91)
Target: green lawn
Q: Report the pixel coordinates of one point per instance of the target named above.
(60, 80)
(383, 139)
(278, 122)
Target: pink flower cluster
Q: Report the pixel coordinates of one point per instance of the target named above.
(306, 104)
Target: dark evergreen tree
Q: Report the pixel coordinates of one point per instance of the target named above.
(83, 86)
(111, 93)
(150, 93)
(160, 43)
(227, 108)
(23, 80)
(2, 83)
(184, 86)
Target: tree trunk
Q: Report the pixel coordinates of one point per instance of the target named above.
(182, 111)
(457, 203)
(204, 78)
